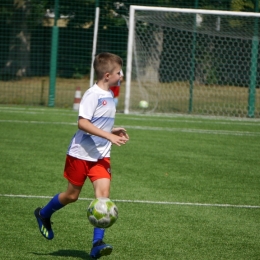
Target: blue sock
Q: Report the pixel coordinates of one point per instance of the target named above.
(98, 234)
(53, 205)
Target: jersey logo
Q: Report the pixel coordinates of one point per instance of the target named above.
(104, 102)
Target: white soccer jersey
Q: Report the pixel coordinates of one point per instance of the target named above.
(97, 105)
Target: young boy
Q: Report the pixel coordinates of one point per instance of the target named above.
(88, 154)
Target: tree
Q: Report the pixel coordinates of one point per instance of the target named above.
(244, 6)
(20, 17)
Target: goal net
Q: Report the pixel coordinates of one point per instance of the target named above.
(192, 61)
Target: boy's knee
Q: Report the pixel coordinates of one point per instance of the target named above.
(71, 198)
(102, 194)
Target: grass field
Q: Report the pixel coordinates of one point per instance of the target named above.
(186, 187)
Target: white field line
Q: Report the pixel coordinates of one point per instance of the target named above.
(37, 122)
(193, 116)
(6, 108)
(40, 112)
(245, 122)
(238, 122)
(197, 131)
(142, 201)
(156, 116)
(168, 129)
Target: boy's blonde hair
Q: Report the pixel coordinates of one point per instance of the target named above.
(106, 62)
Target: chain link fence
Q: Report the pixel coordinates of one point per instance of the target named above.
(46, 48)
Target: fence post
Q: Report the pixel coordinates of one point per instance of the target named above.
(193, 54)
(253, 69)
(54, 54)
(94, 48)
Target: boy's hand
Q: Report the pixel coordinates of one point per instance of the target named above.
(119, 136)
(120, 131)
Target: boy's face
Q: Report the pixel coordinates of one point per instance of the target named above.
(115, 76)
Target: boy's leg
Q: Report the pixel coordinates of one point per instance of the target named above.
(100, 248)
(53, 205)
(75, 172)
(43, 216)
(98, 234)
(60, 200)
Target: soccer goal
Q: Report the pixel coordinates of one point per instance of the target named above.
(193, 61)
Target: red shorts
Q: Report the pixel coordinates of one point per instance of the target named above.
(76, 170)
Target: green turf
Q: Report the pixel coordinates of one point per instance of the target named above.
(171, 184)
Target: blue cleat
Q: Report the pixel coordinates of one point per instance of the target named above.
(100, 249)
(44, 225)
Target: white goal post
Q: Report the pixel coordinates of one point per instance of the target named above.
(206, 44)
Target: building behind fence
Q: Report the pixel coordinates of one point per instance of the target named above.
(46, 53)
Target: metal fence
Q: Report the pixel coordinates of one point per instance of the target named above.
(46, 46)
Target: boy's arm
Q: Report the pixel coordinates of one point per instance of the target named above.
(86, 126)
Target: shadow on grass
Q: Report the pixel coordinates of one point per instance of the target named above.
(67, 253)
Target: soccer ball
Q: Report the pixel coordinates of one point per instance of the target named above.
(102, 212)
(143, 104)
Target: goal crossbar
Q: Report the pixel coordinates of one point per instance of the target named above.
(193, 11)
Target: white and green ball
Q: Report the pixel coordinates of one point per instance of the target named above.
(102, 212)
(143, 104)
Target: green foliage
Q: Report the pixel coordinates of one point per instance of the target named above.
(26, 18)
(77, 11)
(31, 12)
(242, 5)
